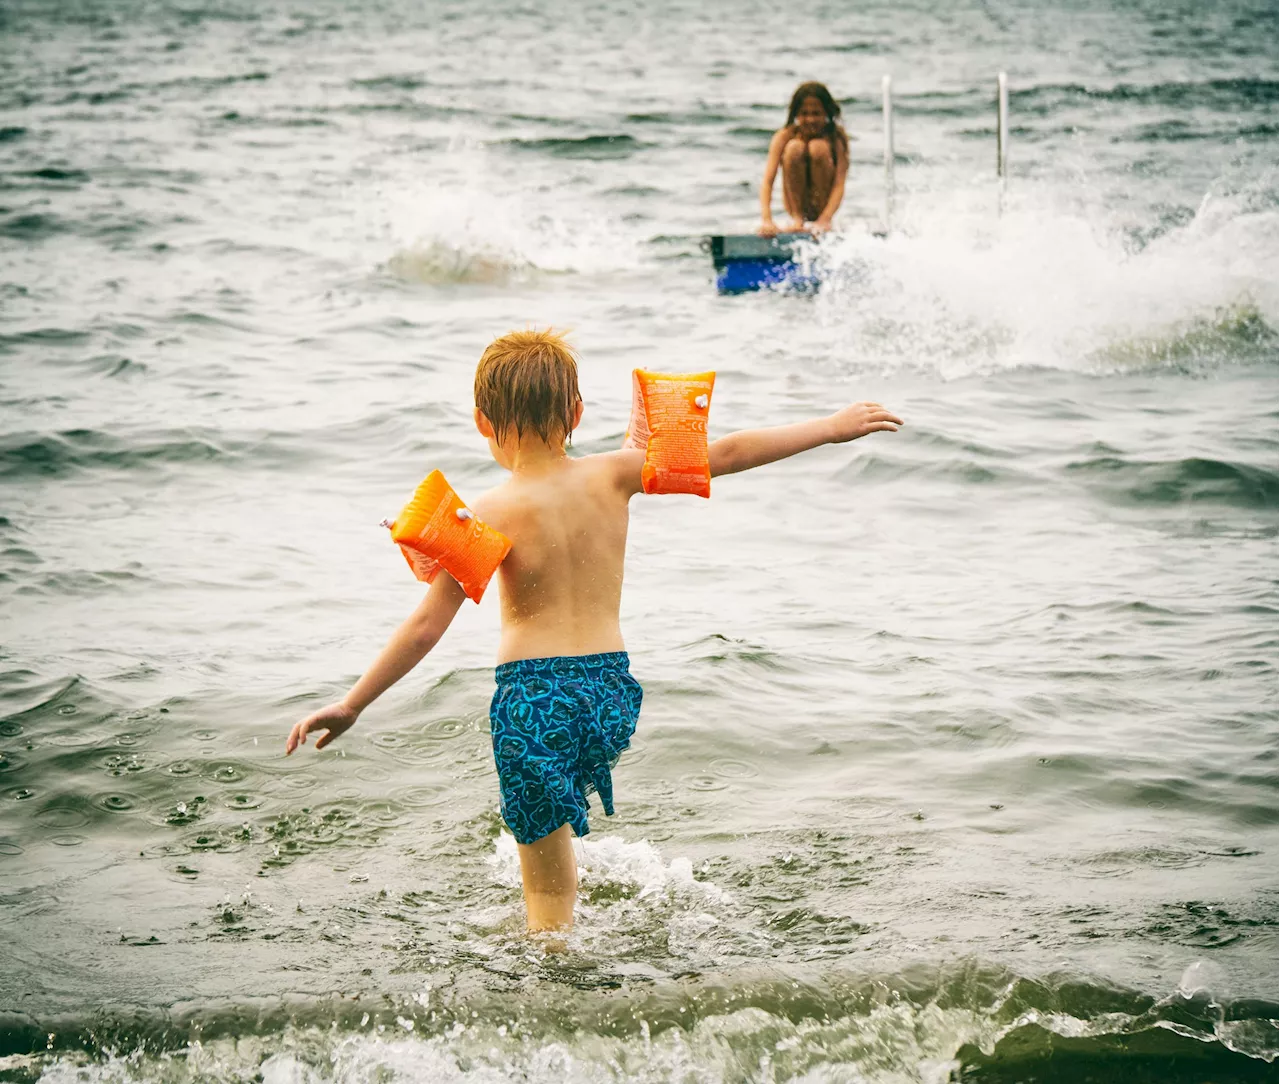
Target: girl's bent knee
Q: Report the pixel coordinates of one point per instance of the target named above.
(795, 150)
(820, 151)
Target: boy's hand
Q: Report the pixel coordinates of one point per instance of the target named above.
(768, 228)
(335, 720)
(860, 419)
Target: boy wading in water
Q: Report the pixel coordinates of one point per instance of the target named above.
(566, 704)
(813, 152)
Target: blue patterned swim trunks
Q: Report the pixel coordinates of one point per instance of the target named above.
(559, 725)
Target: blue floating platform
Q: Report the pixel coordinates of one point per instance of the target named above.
(745, 262)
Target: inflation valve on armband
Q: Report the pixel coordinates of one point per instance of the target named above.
(435, 531)
(669, 421)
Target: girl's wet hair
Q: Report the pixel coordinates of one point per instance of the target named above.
(834, 131)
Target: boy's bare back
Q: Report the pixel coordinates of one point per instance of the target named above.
(561, 584)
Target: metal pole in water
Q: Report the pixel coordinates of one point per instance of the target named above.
(886, 94)
(1002, 126)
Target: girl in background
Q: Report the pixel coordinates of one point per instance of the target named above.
(813, 151)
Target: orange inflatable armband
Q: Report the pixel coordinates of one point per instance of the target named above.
(436, 530)
(669, 421)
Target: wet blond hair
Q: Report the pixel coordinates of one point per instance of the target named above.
(529, 380)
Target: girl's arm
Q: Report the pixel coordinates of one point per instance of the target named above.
(408, 645)
(755, 447)
(837, 191)
(779, 140)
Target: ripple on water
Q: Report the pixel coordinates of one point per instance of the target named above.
(185, 812)
(806, 926)
(636, 752)
(384, 814)
(115, 802)
(404, 750)
(9, 849)
(421, 796)
(1203, 925)
(444, 729)
(169, 849)
(288, 786)
(61, 816)
(1122, 863)
(354, 824)
(390, 741)
(727, 768)
(123, 764)
(242, 801)
(73, 740)
(325, 833)
(69, 840)
(221, 839)
(1234, 851)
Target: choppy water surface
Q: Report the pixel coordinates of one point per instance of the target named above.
(958, 756)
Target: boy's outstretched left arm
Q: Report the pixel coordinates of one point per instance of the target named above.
(750, 448)
(409, 644)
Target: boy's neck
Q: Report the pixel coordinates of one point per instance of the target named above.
(531, 456)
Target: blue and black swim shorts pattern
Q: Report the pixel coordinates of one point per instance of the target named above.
(559, 726)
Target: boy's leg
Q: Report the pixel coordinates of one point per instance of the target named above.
(550, 875)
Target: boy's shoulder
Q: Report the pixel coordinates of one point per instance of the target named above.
(494, 506)
(619, 468)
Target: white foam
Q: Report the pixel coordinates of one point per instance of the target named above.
(1201, 978)
(1052, 281)
(893, 1045)
(611, 860)
(891, 1040)
(468, 223)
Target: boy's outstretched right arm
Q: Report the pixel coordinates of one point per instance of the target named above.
(417, 635)
(755, 447)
